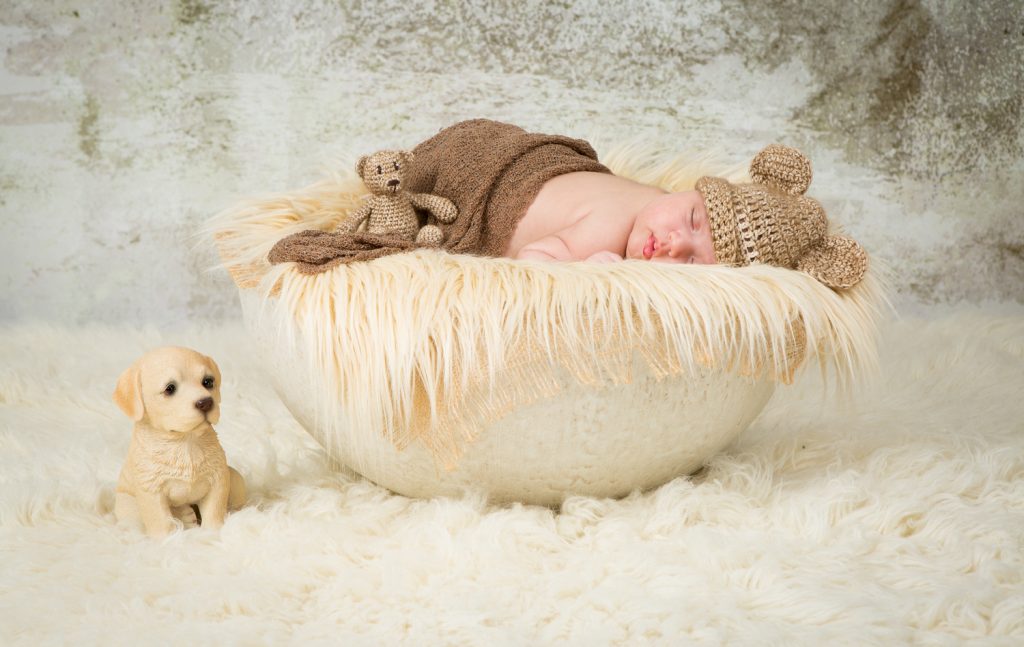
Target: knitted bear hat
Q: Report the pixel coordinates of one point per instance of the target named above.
(772, 222)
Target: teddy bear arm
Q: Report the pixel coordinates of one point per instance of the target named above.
(355, 218)
(442, 208)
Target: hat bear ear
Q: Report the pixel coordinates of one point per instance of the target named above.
(839, 262)
(783, 168)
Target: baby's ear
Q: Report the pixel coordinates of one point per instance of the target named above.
(783, 168)
(128, 393)
(360, 164)
(839, 262)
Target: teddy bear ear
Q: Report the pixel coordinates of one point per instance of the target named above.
(839, 262)
(360, 164)
(783, 168)
(408, 156)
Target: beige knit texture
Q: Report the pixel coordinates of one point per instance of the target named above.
(782, 168)
(384, 223)
(770, 221)
(388, 211)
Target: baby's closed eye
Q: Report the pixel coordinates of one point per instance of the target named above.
(697, 219)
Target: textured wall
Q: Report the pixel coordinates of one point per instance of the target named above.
(123, 125)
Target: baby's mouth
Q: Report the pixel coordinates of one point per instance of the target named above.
(650, 247)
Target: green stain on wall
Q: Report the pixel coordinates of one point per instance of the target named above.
(866, 103)
(88, 131)
(191, 11)
(911, 87)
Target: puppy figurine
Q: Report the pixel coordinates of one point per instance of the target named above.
(175, 463)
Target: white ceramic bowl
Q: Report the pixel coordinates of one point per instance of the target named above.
(603, 442)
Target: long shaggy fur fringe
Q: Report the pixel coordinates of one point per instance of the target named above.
(431, 346)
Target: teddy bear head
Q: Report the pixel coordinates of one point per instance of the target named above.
(383, 172)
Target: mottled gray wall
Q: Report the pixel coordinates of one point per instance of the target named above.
(123, 125)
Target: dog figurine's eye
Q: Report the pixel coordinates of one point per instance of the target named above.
(208, 382)
(170, 388)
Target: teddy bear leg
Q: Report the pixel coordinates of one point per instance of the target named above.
(430, 235)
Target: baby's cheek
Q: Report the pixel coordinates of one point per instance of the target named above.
(708, 246)
(670, 219)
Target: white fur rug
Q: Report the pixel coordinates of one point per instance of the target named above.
(896, 518)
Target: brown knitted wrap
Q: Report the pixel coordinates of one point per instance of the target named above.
(772, 222)
(315, 251)
(492, 171)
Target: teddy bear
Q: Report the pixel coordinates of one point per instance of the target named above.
(390, 210)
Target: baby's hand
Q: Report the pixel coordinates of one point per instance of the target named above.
(604, 256)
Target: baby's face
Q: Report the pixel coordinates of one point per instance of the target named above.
(672, 228)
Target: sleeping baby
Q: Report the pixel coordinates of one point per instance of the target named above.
(602, 217)
(531, 196)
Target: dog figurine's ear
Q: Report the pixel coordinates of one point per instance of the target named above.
(214, 415)
(128, 394)
(216, 370)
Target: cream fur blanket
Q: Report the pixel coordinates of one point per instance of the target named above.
(897, 518)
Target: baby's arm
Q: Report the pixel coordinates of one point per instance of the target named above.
(587, 233)
(604, 256)
(549, 248)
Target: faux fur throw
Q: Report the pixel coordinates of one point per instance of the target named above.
(492, 171)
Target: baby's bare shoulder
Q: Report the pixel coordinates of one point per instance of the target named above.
(581, 214)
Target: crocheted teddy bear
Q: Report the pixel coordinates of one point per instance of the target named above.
(771, 221)
(390, 210)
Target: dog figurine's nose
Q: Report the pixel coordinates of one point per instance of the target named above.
(205, 404)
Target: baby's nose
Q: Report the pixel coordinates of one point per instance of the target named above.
(678, 244)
